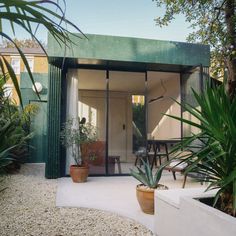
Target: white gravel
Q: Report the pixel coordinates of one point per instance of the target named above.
(27, 208)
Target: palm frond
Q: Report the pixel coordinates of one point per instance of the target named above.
(29, 15)
(214, 146)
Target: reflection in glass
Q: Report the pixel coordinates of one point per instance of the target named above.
(122, 141)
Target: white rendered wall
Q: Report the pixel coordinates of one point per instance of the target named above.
(178, 213)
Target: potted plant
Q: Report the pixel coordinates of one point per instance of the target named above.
(74, 135)
(213, 147)
(149, 183)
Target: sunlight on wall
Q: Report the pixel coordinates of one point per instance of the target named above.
(167, 127)
(88, 112)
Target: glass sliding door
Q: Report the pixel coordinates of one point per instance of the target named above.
(123, 131)
(162, 88)
(92, 109)
(190, 79)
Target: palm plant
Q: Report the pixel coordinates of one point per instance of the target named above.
(145, 175)
(213, 148)
(29, 16)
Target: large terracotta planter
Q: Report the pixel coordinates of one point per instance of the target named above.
(145, 196)
(79, 174)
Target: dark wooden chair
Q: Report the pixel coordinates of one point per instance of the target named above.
(179, 166)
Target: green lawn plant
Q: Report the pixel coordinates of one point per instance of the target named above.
(213, 148)
(145, 176)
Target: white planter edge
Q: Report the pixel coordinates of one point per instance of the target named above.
(189, 216)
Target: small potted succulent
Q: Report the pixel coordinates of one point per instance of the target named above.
(75, 133)
(149, 183)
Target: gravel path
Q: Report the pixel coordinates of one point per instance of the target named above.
(27, 208)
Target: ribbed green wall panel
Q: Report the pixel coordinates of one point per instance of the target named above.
(54, 114)
(38, 152)
(26, 87)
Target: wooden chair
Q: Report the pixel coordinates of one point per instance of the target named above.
(179, 166)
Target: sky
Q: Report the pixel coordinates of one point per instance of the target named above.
(131, 18)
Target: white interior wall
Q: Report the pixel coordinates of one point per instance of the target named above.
(160, 126)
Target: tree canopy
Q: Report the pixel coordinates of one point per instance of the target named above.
(22, 43)
(214, 23)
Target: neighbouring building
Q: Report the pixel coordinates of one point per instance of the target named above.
(37, 61)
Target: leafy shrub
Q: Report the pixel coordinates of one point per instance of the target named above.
(14, 131)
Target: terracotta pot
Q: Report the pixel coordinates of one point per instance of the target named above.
(145, 197)
(79, 174)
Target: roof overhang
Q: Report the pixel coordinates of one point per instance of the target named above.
(123, 53)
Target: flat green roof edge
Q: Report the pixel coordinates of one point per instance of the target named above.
(116, 48)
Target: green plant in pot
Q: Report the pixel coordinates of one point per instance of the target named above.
(149, 183)
(213, 157)
(75, 133)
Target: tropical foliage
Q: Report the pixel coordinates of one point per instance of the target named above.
(14, 129)
(145, 175)
(213, 23)
(29, 16)
(213, 148)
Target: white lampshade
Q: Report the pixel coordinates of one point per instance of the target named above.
(38, 86)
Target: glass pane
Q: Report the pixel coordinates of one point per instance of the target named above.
(122, 145)
(138, 123)
(190, 80)
(31, 64)
(92, 109)
(15, 63)
(163, 87)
